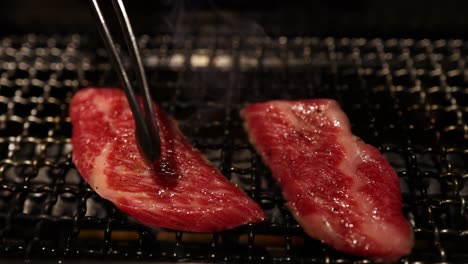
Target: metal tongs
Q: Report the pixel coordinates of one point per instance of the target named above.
(146, 127)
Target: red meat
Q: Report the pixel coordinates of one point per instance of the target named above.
(182, 192)
(341, 190)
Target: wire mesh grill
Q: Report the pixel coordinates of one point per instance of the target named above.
(407, 97)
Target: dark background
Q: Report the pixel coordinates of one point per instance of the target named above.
(361, 18)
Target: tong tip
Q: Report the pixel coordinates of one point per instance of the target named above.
(148, 144)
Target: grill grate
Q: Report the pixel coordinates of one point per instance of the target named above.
(407, 97)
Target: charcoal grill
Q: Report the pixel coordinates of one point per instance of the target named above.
(407, 97)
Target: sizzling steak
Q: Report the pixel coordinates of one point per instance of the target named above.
(183, 191)
(340, 189)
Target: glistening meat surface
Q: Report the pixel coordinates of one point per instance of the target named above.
(341, 190)
(182, 192)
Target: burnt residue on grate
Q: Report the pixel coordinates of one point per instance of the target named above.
(407, 97)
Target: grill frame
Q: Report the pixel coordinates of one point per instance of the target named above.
(404, 96)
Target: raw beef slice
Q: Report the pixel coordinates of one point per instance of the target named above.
(182, 191)
(341, 190)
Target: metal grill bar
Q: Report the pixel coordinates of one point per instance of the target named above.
(405, 96)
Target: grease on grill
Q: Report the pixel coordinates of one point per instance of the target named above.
(408, 97)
